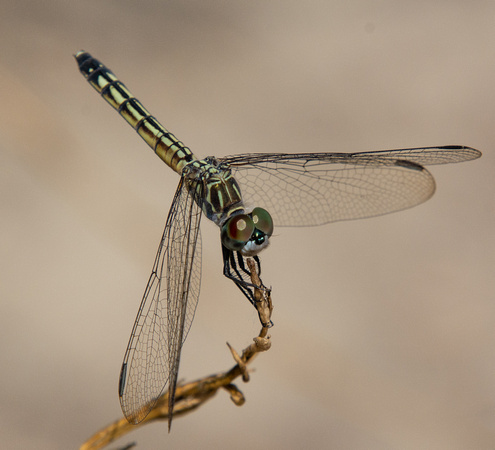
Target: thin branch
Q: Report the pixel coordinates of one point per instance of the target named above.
(192, 395)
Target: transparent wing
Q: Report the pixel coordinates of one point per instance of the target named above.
(166, 312)
(316, 188)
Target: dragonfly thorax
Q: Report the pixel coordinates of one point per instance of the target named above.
(216, 190)
(219, 195)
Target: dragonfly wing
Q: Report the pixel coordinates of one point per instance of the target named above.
(428, 156)
(166, 312)
(316, 188)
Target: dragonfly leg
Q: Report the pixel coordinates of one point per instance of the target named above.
(240, 261)
(236, 271)
(231, 271)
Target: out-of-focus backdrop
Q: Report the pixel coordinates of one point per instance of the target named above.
(384, 328)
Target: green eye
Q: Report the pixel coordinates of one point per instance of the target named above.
(262, 220)
(237, 231)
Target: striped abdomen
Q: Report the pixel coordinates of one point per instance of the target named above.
(165, 144)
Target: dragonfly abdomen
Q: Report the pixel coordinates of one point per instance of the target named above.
(172, 151)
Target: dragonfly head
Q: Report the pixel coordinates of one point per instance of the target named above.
(248, 233)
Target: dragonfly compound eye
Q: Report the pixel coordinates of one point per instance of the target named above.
(262, 221)
(237, 231)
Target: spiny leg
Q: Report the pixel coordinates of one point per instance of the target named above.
(236, 271)
(231, 271)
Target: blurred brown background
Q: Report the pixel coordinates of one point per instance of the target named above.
(384, 328)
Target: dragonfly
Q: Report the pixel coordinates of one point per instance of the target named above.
(246, 195)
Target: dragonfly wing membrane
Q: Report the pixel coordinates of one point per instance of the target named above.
(166, 312)
(316, 188)
(328, 191)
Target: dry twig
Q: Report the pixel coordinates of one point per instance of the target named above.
(191, 395)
